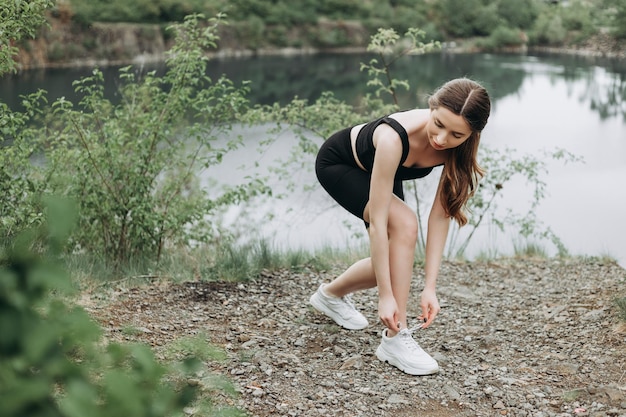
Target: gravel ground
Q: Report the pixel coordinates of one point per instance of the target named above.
(514, 338)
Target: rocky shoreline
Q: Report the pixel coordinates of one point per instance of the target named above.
(64, 45)
(516, 337)
(153, 57)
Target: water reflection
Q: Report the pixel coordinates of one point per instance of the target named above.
(606, 95)
(280, 79)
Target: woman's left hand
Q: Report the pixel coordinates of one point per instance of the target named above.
(430, 307)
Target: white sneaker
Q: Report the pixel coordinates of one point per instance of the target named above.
(403, 352)
(340, 309)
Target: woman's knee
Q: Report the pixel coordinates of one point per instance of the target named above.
(403, 224)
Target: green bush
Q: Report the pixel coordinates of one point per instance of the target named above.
(617, 17)
(518, 13)
(18, 20)
(244, 9)
(408, 15)
(487, 20)
(251, 33)
(329, 37)
(343, 9)
(53, 360)
(504, 36)
(548, 30)
(459, 17)
(143, 11)
(578, 17)
(285, 14)
(279, 36)
(133, 166)
(57, 52)
(176, 10)
(21, 181)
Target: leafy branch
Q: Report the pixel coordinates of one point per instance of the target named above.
(389, 47)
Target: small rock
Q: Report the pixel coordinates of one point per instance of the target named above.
(593, 315)
(354, 362)
(397, 399)
(440, 358)
(614, 394)
(451, 393)
(249, 344)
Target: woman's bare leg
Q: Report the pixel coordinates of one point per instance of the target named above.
(359, 276)
(402, 230)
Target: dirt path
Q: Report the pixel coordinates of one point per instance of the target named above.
(517, 338)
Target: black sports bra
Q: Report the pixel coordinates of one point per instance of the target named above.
(365, 149)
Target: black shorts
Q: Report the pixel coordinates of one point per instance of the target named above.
(341, 177)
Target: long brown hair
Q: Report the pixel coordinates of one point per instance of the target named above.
(461, 171)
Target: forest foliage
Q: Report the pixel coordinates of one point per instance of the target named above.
(497, 23)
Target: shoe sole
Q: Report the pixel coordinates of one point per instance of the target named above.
(382, 356)
(319, 306)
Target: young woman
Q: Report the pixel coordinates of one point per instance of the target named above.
(362, 168)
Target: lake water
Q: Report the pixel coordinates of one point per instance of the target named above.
(540, 102)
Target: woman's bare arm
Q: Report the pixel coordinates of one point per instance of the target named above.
(386, 161)
(438, 226)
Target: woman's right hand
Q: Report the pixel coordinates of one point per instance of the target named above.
(388, 312)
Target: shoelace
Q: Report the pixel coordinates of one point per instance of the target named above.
(348, 300)
(407, 337)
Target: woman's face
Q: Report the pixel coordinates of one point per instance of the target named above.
(446, 130)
